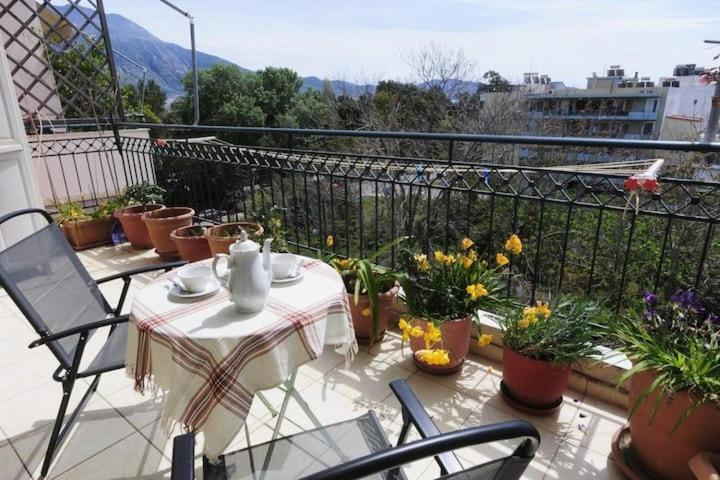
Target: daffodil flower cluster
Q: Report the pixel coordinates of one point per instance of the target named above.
(408, 330)
(433, 357)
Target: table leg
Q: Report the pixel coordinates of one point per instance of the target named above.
(267, 403)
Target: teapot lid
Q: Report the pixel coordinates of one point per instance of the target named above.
(244, 244)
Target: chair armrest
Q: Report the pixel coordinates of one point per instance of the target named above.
(415, 413)
(137, 271)
(127, 278)
(79, 329)
(183, 457)
(433, 446)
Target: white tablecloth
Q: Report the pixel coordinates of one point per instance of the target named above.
(211, 360)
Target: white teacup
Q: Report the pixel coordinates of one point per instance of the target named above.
(195, 278)
(283, 265)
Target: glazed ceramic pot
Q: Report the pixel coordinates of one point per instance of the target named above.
(160, 223)
(532, 383)
(220, 237)
(658, 448)
(133, 226)
(455, 339)
(192, 246)
(363, 323)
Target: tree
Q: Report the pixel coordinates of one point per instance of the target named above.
(155, 97)
(437, 65)
(496, 82)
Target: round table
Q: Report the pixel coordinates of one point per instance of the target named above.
(211, 360)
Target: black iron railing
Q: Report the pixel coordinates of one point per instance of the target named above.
(581, 230)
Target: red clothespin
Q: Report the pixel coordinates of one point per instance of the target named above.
(643, 182)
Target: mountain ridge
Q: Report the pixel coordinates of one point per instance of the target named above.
(167, 62)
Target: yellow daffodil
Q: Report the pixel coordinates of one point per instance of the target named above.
(530, 314)
(342, 264)
(449, 260)
(432, 335)
(403, 324)
(542, 309)
(416, 332)
(466, 243)
(472, 254)
(476, 291)
(422, 262)
(485, 340)
(434, 357)
(329, 241)
(467, 262)
(523, 323)
(367, 312)
(513, 245)
(501, 259)
(439, 256)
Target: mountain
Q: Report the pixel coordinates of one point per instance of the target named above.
(166, 62)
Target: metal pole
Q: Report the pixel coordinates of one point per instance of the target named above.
(111, 62)
(196, 98)
(714, 117)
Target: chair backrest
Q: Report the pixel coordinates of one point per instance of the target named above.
(50, 285)
(507, 468)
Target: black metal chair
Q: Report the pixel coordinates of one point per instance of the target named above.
(359, 449)
(54, 291)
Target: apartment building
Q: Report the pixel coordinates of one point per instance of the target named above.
(620, 106)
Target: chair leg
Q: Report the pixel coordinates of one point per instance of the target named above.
(55, 436)
(405, 428)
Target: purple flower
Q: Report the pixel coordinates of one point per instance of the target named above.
(650, 298)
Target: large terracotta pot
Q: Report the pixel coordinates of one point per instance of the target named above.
(661, 451)
(455, 339)
(93, 232)
(133, 226)
(220, 237)
(192, 247)
(363, 324)
(535, 384)
(160, 223)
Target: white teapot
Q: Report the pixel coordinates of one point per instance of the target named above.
(248, 276)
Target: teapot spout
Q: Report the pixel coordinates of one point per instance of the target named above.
(267, 259)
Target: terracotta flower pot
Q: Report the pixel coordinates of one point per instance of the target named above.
(534, 384)
(455, 339)
(192, 248)
(133, 226)
(220, 237)
(93, 232)
(661, 451)
(160, 223)
(363, 323)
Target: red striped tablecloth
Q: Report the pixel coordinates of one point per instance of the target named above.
(210, 360)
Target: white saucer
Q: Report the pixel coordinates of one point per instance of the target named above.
(212, 287)
(300, 274)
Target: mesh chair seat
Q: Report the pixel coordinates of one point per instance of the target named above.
(112, 354)
(305, 453)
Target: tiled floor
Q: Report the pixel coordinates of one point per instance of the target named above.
(119, 434)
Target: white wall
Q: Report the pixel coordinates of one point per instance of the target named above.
(691, 101)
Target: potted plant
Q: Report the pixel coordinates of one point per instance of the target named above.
(273, 219)
(540, 346)
(135, 201)
(443, 295)
(86, 230)
(191, 243)
(220, 237)
(674, 398)
(372, 289)
(162, 222)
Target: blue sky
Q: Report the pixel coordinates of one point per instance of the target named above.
(363, 40)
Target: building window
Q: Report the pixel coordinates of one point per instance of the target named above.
(654, 106)
(648, 128)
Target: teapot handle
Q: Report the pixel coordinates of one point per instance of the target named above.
(223, 279)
